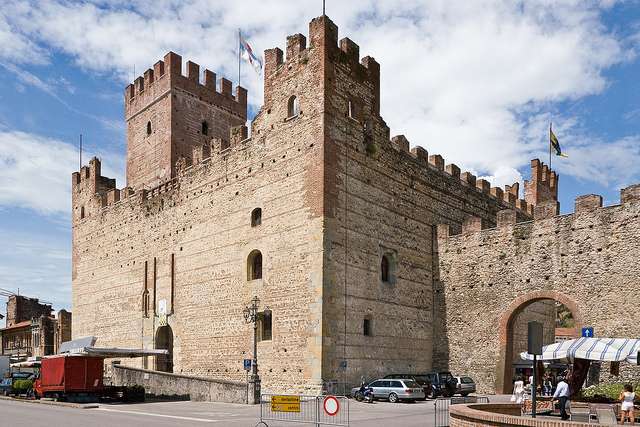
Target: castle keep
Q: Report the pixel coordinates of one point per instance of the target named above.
(343, 233)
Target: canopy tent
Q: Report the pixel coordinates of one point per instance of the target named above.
(604, 349)
(582, 351)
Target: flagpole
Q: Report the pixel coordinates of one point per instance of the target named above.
(550, 145)
(239, 48)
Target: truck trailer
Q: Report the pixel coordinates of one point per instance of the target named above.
(76, 378)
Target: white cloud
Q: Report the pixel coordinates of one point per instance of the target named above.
(36, 172)
(466, 79)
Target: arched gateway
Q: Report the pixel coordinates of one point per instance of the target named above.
(164, 341)
(505, 365)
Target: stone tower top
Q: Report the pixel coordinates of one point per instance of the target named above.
(169, 114)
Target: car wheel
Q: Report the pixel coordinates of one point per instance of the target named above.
(464, 394)
(431, 394)
(393, 398)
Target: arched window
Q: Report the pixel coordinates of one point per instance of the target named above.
(149, 127)
(292, 108)
(384, 269)
(254, 265)
(205, 128)
(256, 217)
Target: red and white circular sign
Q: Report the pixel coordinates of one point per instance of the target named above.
(331, 405)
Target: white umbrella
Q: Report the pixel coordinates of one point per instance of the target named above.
(606, 349)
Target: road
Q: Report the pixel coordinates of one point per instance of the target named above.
(185, 413)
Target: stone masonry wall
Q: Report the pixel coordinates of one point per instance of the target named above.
(585, 260)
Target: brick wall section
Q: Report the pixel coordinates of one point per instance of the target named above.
(21, 309)
(162, 384)
(500, 414)
(488, 278)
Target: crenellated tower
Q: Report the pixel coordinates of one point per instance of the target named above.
(542, 190)
(168, 114)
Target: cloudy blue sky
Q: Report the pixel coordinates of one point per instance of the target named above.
(477, 81)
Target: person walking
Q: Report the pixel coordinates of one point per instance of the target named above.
(561, 395)
(626, 397)
(547, 385)
(518, 390)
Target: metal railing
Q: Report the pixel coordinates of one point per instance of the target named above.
(442, 405)
(317, 410)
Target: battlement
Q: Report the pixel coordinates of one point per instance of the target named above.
(325, 48)
(509, 195)
(586, 204)
(167, 74)
(543, 187)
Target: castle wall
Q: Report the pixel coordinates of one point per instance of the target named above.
(585, 260)
(337, 196)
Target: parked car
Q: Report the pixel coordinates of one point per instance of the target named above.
(442, 382)
(464, 385)
(6, 385)
(423, 380)
(394, 390)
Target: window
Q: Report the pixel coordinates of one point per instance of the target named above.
(265, 326)
(388, 266)
(205, 128)
(353, 110)
(254, 265)
(256, 217)
(145, 303)
(292, 108)
(149, 127)
(366, 330)
(81, 212)
(384, 269)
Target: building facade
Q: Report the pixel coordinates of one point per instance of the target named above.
(31, 329)
(332, 223)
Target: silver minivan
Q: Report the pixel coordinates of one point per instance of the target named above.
(397, 389)
(464, 385)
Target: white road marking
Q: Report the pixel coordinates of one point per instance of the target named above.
(162, 416)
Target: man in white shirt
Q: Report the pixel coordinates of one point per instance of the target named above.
(561, 395)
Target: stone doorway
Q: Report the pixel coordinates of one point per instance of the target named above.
(540, 306)
(164, 341)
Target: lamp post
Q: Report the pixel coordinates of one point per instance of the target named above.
(251, 315)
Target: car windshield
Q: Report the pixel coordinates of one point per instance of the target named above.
(411, 384)
(446, 376)
(422, 379)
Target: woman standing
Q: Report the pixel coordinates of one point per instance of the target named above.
(518, 389)
(626, 397)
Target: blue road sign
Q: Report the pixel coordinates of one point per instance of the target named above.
(344, 364)
(587, 332)
(247, 364)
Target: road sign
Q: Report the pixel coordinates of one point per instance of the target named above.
(587, 332)
(331, 405)
(285, 403)
(285, 399)
(285, 407)
(344, 364)
(247, 364)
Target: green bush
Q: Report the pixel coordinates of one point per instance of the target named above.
(610, 390)
(23, 385)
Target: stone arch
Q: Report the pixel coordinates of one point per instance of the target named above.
(164, 341)
(503, 372)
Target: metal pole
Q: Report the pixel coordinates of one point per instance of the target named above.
(534, 387)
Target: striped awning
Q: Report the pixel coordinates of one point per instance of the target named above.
(606, 349)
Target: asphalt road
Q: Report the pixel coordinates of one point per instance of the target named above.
(15, 412)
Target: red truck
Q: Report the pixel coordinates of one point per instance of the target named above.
(75, 378)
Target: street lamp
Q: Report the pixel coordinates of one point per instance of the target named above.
(251, 315)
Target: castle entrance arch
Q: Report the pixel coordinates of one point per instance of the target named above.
(508, 332)
(164, 341)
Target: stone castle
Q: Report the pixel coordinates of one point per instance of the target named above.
(346, 236)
